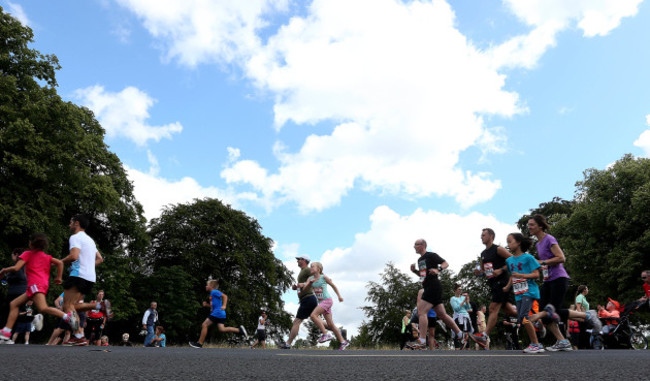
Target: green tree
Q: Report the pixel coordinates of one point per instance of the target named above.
(554, 211)
(607, 237)
(395, 293)
(210, 240)
(54, 164)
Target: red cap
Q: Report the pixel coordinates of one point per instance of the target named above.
(615, 303)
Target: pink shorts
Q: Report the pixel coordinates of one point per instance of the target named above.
(35, 289)
(326, 305)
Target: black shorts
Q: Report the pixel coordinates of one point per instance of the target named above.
(431, 321)
(307, 306)
(498, 295)
(85, 287)
(433, 295)
(261, 334)
(217, 320)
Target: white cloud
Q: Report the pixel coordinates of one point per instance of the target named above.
(390, 238)
(200, 31)
(17, 12)
(643, 141)
(155, 192)
(125, 114)
(549, 17)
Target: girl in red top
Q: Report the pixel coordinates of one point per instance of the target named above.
(37, 270)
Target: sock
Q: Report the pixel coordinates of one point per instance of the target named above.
(66, 317)
(78, 335)
(422, 341)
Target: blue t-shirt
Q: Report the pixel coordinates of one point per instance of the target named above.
(431, 313)
(217, 302)
(163, 342)
(524, 264)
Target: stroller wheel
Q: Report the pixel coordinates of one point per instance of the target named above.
(638, 341)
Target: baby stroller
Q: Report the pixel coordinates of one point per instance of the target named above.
(621, 335)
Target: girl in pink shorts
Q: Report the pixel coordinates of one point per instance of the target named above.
(319, 283)
(37, 270)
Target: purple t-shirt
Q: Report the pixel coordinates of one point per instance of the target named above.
(544, 252)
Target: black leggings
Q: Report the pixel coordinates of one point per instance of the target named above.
(553, 292)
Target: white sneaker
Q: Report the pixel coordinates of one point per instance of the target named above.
(344, 345)
(325, 337)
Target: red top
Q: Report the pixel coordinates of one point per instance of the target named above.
(37, 267)
(646, 288)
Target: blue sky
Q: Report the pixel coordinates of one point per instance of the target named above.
(351, 128)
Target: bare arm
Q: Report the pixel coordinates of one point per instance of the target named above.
(73, 256)
(224, 299)
(19, 265)
(59, 270)
(503, 253)
(329, 281)
(98, 258)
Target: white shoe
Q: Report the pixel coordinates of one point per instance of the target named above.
(38, 322)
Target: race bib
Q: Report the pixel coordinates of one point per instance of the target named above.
(545, 272)
(488, 269)
(319, 292)
(519, 286)
(423, 270)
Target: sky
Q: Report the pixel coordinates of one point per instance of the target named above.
(351, 128)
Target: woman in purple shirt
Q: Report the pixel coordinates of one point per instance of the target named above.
(555, 286)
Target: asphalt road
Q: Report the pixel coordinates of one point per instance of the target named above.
(38, 362)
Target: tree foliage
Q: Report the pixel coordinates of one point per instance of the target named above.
(210, 240)
(54, 164)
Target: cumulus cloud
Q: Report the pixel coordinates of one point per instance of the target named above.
(549, 17)
(155, 192)
(199, 31)
(643, 141)
(125, 114)
(390, 238)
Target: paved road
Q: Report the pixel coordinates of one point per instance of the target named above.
(20, 362)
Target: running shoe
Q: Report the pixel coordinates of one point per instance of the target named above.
(73, 320)
(344, 345)
(75, 342)
(284, 346)
(562, 345)
(243, 332)
(480, 337)
(550, 310)
(594, 321)
(38, 322)
(534, 348)
(5, 338)
(194, 344)
(325, 337)
(415, 344)
(106, 306)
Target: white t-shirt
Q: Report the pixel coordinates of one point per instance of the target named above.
(259, 323)
(84, 266)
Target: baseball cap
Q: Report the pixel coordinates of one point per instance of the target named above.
(305, 257)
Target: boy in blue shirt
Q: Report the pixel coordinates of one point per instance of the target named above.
(218, 302)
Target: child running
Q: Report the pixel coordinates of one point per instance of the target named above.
(523, 269)
(218, 302)
(37, 270)
(318, 281)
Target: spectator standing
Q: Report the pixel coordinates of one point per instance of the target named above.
(149, 322)
(16, 286)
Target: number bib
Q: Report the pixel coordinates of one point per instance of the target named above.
(489, 270)
(519, 286)
(545, 272)
(319, 292)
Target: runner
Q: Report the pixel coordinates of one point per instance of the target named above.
(555, 286)
(432, 319)
(218, 302)
(429, 266)
(318, 282)
(493, 267)
(83, 258)
(523, 270)
(306, 297)
(37, 270)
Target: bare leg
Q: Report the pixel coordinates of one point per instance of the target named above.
(449, 322)
(13, 312)
(41, 305)
(294, 330)
(204, 330)
(315, 317)
(331, 324)
(223, 329)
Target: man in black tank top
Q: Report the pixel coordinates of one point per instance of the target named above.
(493, 267)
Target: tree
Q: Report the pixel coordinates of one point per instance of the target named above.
(607, 237)
(210, 240)
(54, 164)
(395, 293)
(554, 210)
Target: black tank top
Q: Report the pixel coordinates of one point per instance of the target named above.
(493, 261)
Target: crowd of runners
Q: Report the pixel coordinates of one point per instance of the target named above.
(508, 271)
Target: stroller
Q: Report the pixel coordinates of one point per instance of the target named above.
(623, 334)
